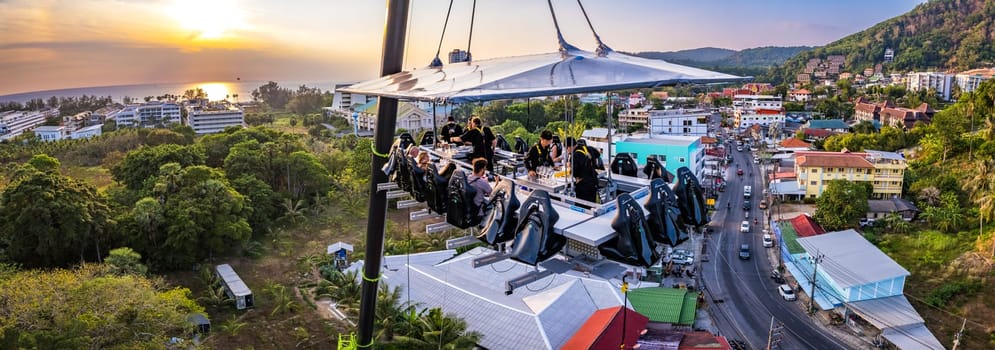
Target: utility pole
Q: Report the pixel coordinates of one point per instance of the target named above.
(959, 334)
(773, 334)
(625, 309)
(815, 261)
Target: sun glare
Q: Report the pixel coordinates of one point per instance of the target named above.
(217, 91)
(208, 19)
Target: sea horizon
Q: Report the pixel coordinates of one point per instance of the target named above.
(216, 90)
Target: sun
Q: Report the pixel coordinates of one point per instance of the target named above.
(208, 19)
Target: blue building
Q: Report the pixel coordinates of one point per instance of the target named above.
(673, 151)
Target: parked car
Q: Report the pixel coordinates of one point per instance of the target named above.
(763, 204)
(768, 241)
(786, 292)
(682, 256)
(776, 276)
(744, 227)
(744, 252)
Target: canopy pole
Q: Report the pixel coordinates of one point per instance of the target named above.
(611, 106)
(435, 131)
(392, 59)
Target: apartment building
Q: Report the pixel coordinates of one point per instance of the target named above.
(147, 115)
(212, 118)
(686, 122)
(942, 83)
(885, 171)
(634, 116)
(14, 123)
(968, 81)
(762, 110)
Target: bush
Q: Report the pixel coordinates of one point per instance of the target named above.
(942, 296)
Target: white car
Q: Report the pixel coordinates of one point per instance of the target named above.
(744, 227)
(768, 241)
(682, 256)
(786, 292)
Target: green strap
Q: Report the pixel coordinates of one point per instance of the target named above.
(373, 148)
(374, 280)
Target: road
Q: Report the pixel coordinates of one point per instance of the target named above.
(742, 295)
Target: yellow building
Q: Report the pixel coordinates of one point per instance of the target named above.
(884, 170)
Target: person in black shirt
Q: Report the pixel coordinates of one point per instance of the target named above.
(474, 137)
(450, 130)
(490, 143)
(539, 153)
(584, 173)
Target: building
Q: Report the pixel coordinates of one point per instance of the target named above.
(939, 82)
(853, 278)
(887, 114)
(457, 56)
(212, 118)
(634, 117)
(834, 125)
(800, 95)
(51, 133)
(148, 115)
(878, 209)
(864, 110)
(968, 81)
(603, 330)
(889, 55)
(687, 122)
(673, 151)
(409, 117)
(884, 170)
(793, 145)
(87, 132)
(763, 110)
(347, 101)
(234, 287)
(14, 123)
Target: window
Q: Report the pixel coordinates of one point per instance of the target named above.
(877, 183)
(814, 182)
(894, 183)
(877, 171)
(815, 171)
(680, 160)
(839, 169)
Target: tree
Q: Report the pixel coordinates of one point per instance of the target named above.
(95, 309)
(142, 164)
(126, 261)
(50, 220)
(842, 204)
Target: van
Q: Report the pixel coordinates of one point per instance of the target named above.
(747, 191)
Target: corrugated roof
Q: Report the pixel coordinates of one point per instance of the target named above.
(912, 337)
(899, 322)
(850, 260)
(889, 205)
(833, 160)
(805, 226)
(661, 304)
(790, 238)
(603, 330)
(795, 143)
(232, 280)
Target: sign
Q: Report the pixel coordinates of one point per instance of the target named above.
(710, 201)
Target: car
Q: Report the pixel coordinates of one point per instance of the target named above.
(739, 148)
(744, 227)
(739, 171)
(744, 252)
(747, 205)
(684, 256)
(768, 241)
(763, 204)
(787, 292)
(756, 160)
(776, 276)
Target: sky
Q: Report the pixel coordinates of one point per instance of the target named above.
(55, 44)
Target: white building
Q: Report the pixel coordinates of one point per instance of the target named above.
(148, 115)
(345, 101)
(686, 122)
(87, 132)
(968, 81)
(409, 117)
(214, 118)
(14, 123)
(51, 133)
(940, 82)
(634, 116)
(763, 110)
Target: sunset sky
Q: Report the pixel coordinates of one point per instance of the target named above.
(53, 44)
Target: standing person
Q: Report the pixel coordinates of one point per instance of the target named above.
(478, 181)
(450, 130)
(539, 153)
(490, 143)
(584, 173)
(474, 137)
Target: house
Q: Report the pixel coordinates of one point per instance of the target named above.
(793, 145)
(817, 134)
(884, 170)
(834, 125)
(87, 132)
(673, 151)
(855, 279)
(801, 95)
(234, 287)
(603, 330)
(881, 208)
(51, 133)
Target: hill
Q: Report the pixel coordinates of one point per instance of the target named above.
(938, 34)
(710, 57)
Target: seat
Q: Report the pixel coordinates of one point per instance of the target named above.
(436, 185)
(632, 245)
(502, 219)
(623, 164)
(521, 147)
(418, 183)
(461, 210)
(663, 222)
(427, 138)
(406, 140)
(502, 143)
(690, 199)
(535, 241)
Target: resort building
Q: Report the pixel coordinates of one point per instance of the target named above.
(887, 114)
(147, 115)
(884, 170)
(409, 117)
(939, 82)
(968, 81)
(14, 123)
(212, 118)
(51, 133)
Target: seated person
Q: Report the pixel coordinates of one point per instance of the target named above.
(423, 160)
(479, 182)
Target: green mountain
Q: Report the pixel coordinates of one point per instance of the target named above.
(710, 57)
(938, 34)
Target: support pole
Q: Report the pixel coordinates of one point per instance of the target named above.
(811, 300)
(392, 59)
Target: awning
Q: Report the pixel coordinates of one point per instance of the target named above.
(573, 72)
(898, 321)
(912, 337)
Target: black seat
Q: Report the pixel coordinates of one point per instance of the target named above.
(521, 147)
(535, 241)
(623, 164)
(654, 169)
(418, 184)
(690, 199)
(402, 171)
(427, 138)
(632, 245)
(436, 186)
(461, 210)
(503, 218)
(664, 226)
(502, 143)
(406, 140)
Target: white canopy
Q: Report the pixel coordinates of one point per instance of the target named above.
(572, 72)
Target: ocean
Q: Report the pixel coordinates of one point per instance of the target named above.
(216, 90)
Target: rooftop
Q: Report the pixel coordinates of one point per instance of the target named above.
(603, 330)
(668, 305)
(673, 140)
(850, 260)
(833, 160)
(890, 205)
(795, 143)
(827, 124)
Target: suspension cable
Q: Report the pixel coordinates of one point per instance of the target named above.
(438, 62)
(602, 49)
(559, 34)
(469, 40)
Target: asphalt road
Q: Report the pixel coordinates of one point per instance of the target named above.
(743, 296)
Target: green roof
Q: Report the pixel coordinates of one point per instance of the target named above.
(827, 124)
(790, 238)
(667, 305)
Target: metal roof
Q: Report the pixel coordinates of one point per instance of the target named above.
(898, 321)
(850, 260)
(232, 280)
(337, 246)
(665, 304)
(572, 72)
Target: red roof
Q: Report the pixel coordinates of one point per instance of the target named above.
(703, 341)
(805, 226)
(709, 140)
(819, 133)
(795, 143)
(603, 330)
(783, 175)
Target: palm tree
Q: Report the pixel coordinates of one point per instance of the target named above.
(438, 331)
(283, 299)
(294, 210)
(232, 326)
(393, 316)
(981, 187)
